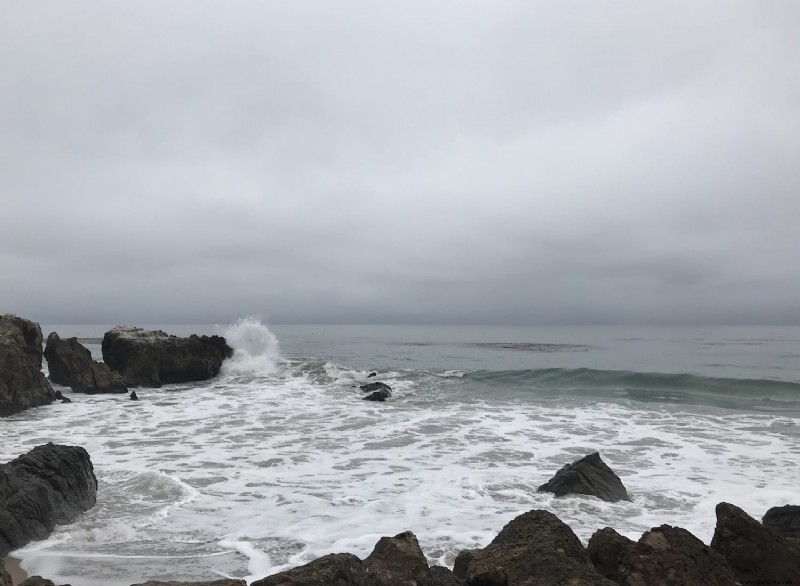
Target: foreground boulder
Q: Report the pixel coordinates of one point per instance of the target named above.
(441, 576)
(71, 364)
(535, 549)
(338, 569)
(22, 383)
(785, 520)
(50, 485)
(756, 554)
(152, 358)
(589, 475)
(663, 556)
(397, 561)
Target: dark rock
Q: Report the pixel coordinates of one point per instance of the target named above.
(338, 569)
(397, 561)
(49, 485)
(370, 387)
(590, 476)
(441, 577)
(372, 374)
(62, 398)
(152, 358)
(664, 556)
(134, 396)
(535, 549)
(22, 383)
(71, 364)
(463, 560)
(381, 395)
(223, 582)
(785, 520)
(755, 553)
(36, 581)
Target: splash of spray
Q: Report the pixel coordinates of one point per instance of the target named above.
(255, 349)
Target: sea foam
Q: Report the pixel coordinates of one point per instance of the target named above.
(255, 350)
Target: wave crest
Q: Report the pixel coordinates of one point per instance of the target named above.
(255, 350)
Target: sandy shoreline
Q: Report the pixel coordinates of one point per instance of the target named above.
(18, 575)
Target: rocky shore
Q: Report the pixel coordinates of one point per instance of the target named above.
(538, 549)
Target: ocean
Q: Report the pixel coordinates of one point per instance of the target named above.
(278, 461)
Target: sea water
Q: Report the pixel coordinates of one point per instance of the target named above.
(278, 461)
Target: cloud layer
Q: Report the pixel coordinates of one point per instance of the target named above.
(453, 162)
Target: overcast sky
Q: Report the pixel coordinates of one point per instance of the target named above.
(400, 162)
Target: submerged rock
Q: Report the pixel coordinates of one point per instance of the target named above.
(152, 358)
(50, 485)
(663, 556)
(785, 520)
(71, 364)
(338, 569)
(535, 549)
(378, 391)
(755, 553)
(397, 561)
(22, 383)
(590, 476)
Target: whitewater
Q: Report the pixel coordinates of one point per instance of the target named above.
(278, 461)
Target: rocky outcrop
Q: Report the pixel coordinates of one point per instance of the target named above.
(755, 553)
(590, 476)
(71, 364)
(535, 549)
(22, 383)
(339, 569)
(663, 556)
(397, 561)
(50, 485)
(152, 358)
(785, 520)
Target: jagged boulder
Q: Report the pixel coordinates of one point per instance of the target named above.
(462, 562)
(71, 364)
(397, 561)
(22, 383)
(151, 358)
(50, 485)
(535, 549)
(785, 520)
(590, 476)
(338, 569)
(663, 556)
(755, 553)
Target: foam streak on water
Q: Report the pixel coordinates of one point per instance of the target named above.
(273, 466)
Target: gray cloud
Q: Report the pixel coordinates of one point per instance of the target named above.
(359, 162)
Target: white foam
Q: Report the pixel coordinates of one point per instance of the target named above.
(284, 470)
(255, 350)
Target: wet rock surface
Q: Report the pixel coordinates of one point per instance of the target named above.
(151, 358)
(590, 476)
(663, 556)
(22, 383)
(71, 364)
(52, 484)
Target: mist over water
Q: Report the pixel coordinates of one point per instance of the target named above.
(278, 460)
